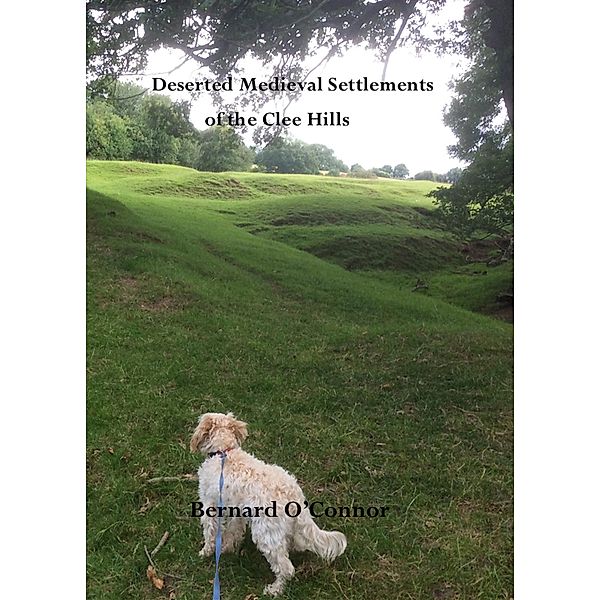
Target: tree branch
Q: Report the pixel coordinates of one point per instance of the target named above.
(407, 15)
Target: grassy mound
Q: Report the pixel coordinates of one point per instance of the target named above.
(202, 299)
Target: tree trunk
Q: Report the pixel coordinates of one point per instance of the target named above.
(500, 38)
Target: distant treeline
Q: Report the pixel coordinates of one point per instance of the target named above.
(131, 124)
(401, 172)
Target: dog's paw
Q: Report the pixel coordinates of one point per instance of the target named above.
(206, 551)
(273, 589)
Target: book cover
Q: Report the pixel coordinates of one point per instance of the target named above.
(300, 299)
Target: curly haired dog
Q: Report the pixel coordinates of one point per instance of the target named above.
(249, 482)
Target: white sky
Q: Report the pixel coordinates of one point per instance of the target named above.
(385, 127)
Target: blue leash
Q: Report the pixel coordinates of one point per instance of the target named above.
(216, 582)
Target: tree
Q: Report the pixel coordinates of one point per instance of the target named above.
(189, 151)
(126, 98)
(218, 35)
(284, 155)
(222, 149)
(481, 199)
(475, 114)
(286, 36)
(107, 134)
(499, 37)
(161, 127)
(453, 175)
(400, 171)
(326, 158)
(131, 124)
(380, 173)
(426, 176)
(357, 170)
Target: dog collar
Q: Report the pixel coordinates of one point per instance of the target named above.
(220, 452)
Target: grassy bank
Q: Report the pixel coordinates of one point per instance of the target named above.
(285, 299)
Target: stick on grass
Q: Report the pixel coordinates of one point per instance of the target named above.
(161, 543)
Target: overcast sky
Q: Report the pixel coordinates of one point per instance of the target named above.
(385, 127)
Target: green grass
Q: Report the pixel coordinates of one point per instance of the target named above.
(474, 286)
(207, 293)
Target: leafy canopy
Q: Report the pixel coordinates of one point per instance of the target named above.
(481, 199)
(284, 155)
(131, 125)
(218, 34)
(222, 149)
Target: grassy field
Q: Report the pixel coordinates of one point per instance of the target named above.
(287, 300)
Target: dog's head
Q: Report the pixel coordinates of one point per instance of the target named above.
(216, 431)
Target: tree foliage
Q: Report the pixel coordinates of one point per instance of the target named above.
(222, 149)
(453, 175)
(129, 124)
(426, 176)
(477, 111)
(218, 34)
(481, 199)
(326, 159)
(400, 171)
(286, 35)
(107, 133)
(290, 38)
(284, 155)
(380, 173)
(357, 170)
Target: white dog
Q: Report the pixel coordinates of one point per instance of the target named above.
(250, 483)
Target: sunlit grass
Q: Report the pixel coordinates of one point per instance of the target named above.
(371, 394)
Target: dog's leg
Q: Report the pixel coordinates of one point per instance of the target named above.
(233, 534)
(283, 568)
(209, 527)
(274, 548)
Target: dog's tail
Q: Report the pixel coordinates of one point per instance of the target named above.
(326, 544)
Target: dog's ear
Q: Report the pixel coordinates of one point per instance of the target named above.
(240, 429)
(202, 432)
